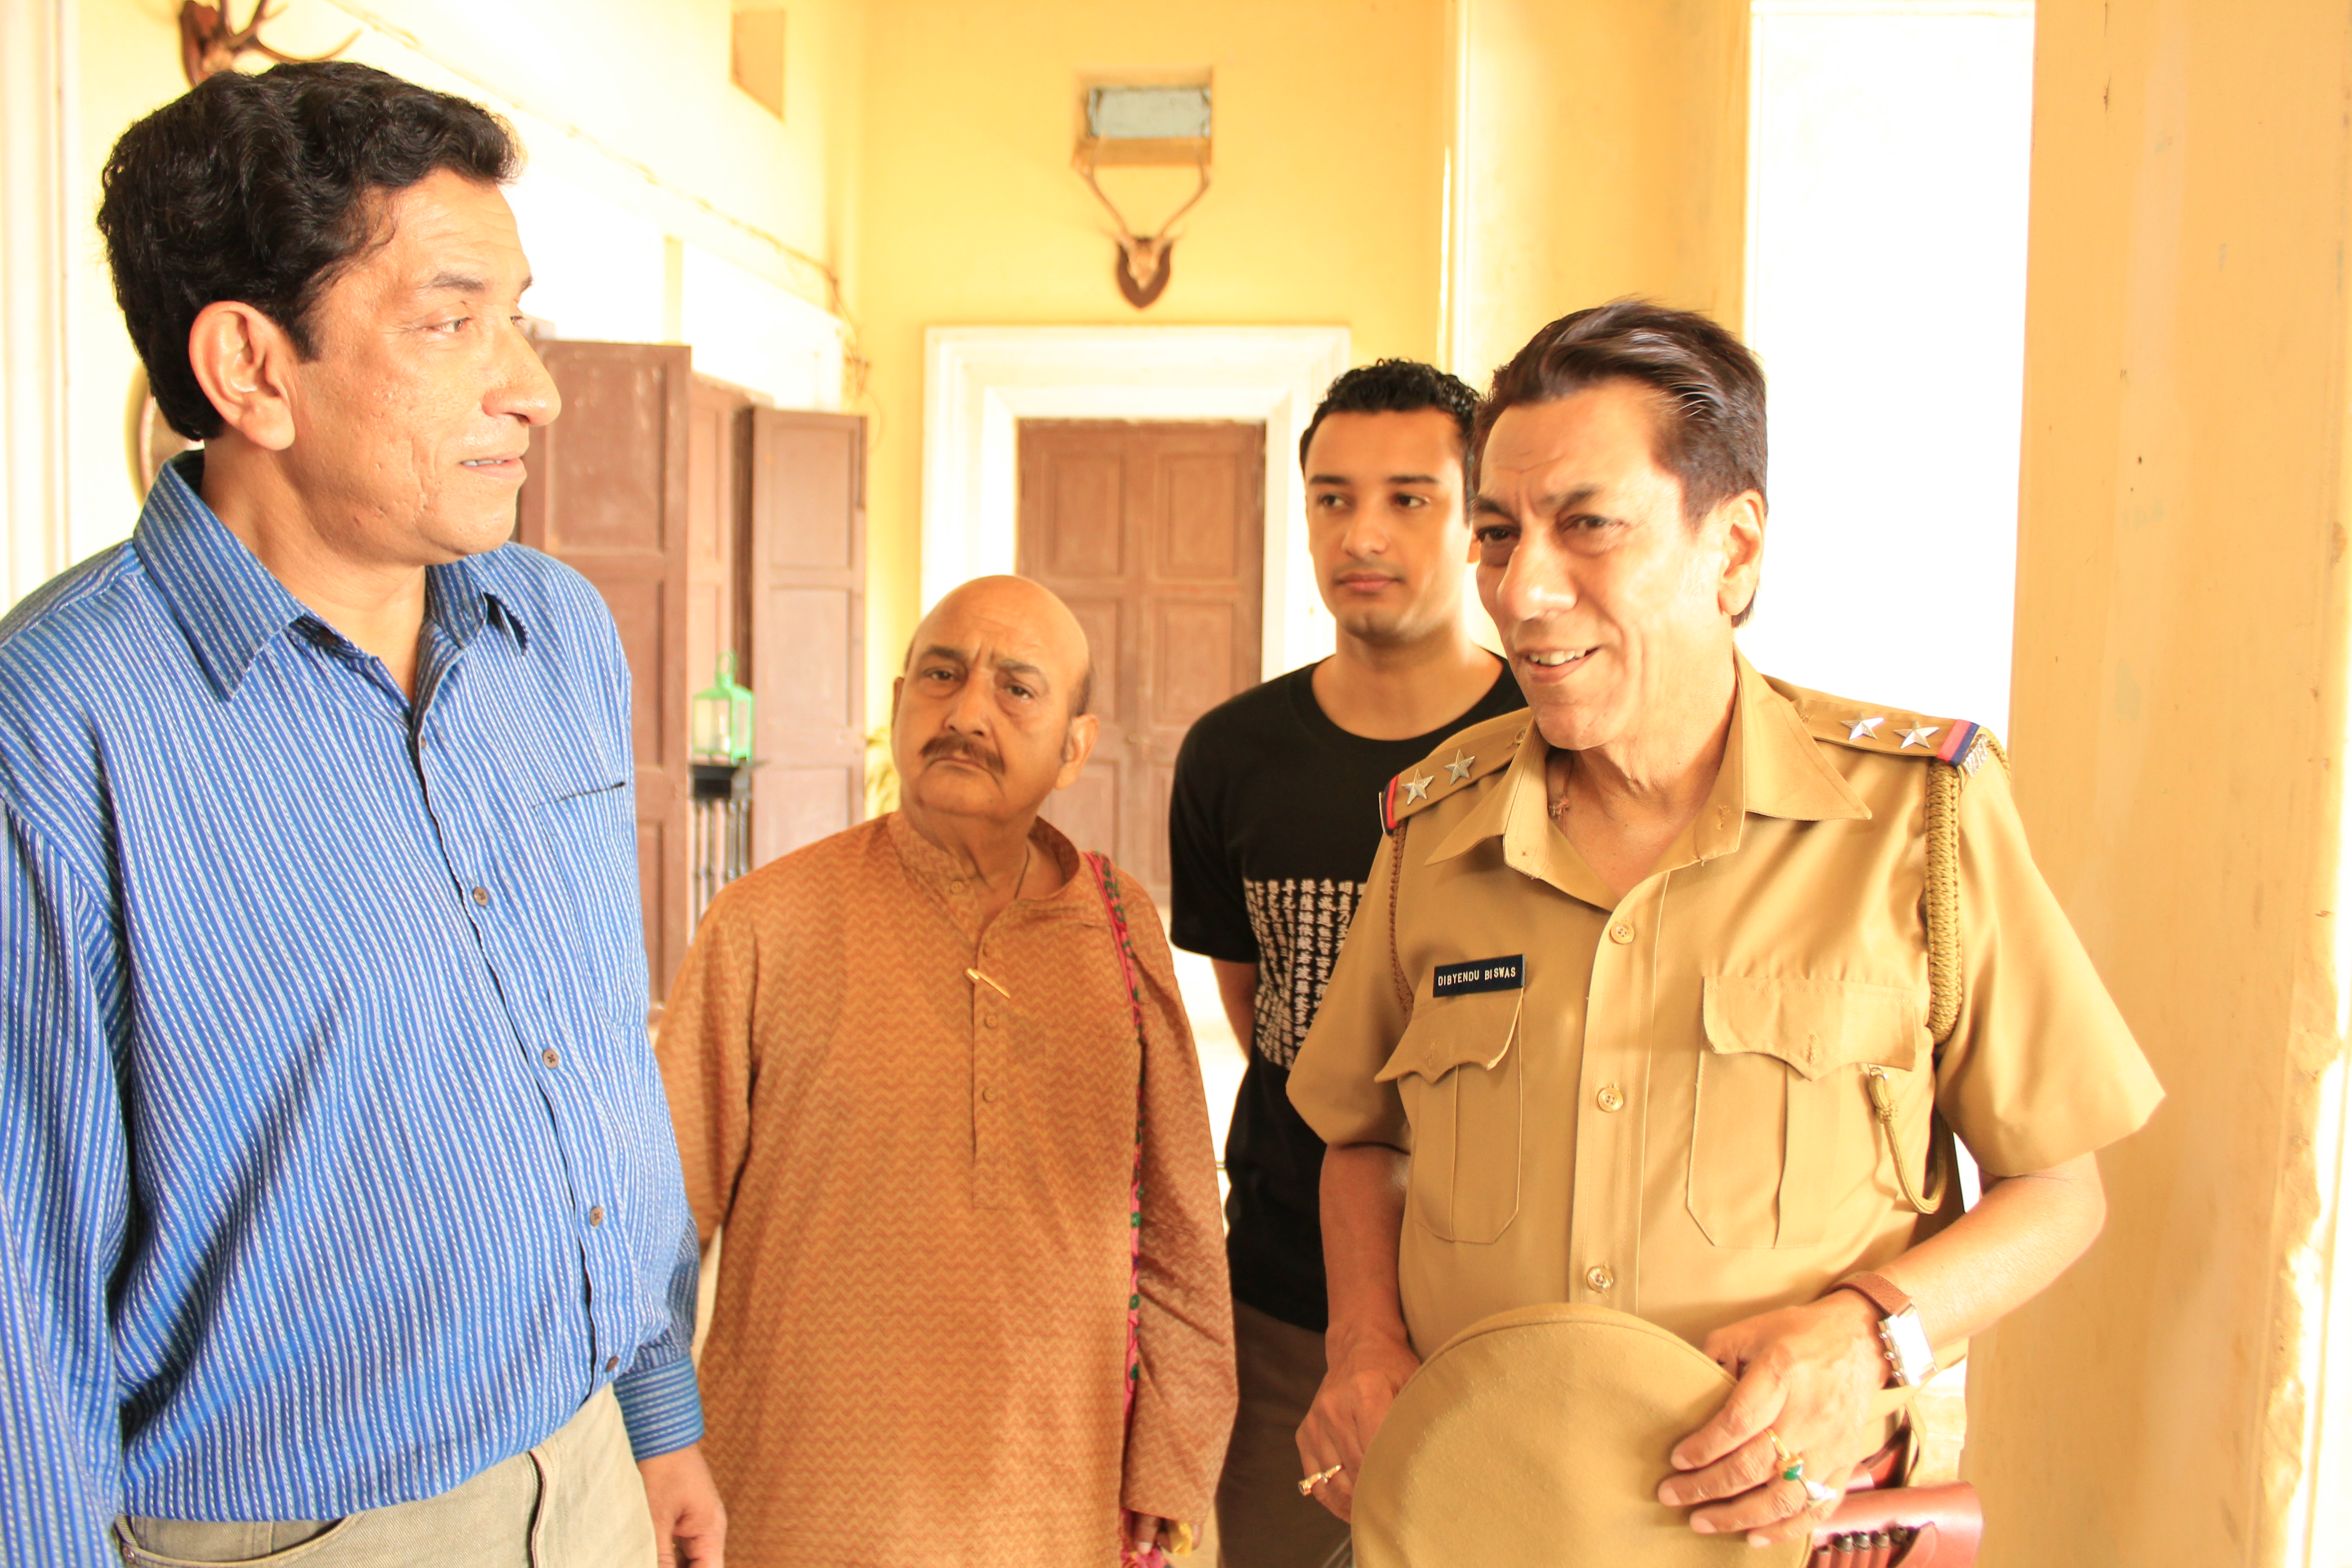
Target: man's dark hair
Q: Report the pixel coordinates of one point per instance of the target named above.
(1709, 431)
(1397, 386)
(259, 189)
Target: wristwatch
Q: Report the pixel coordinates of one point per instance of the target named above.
(1906, 1342)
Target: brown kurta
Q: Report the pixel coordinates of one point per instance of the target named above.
(916, 1351)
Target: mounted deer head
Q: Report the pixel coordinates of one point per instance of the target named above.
(1144, 260)
(209, 45)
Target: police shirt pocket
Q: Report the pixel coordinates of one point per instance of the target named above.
(1457, 1071)
(1783, 1128)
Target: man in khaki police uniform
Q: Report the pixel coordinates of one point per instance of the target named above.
(1637, 1007)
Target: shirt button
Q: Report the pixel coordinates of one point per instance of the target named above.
(597, 1215)
(612, 1363)
(549, 1057)
(1621, 933)
(989, 1020)
(481, 895)
(988, 1094)
(1611, 1098)
(1598, 1277)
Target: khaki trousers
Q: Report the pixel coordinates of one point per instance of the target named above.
(1262, 1521)
(574, 1501)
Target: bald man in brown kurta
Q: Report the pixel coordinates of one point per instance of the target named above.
(903, 1068)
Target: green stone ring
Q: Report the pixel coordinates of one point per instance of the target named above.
(1796, 1470)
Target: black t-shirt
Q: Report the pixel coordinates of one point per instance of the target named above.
(1273, 824)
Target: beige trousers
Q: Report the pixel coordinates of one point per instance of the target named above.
(1262, 1521)
(574, 1501)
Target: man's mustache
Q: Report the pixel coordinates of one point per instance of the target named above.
(948, 743)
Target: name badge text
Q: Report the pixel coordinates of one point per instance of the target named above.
(1479, 975)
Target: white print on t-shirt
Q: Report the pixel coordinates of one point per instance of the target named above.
(1299, 926)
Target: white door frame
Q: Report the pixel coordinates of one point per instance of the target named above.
(982, 382)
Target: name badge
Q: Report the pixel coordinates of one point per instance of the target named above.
(1479, 975)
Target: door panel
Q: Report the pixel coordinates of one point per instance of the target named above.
(607, 495)
(1153, 534)
(819, 697)
(805, 573)
(1203, 498)
(714, 523)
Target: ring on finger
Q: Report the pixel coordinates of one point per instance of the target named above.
(1306, 1487)
(1816, 1494)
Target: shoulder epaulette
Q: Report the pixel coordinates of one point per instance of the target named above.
(1466, 756)
(1895, 731)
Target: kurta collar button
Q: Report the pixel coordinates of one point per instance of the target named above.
(612, 1363)
(549, 1057)
(1598, 1277)
(1621, 933)
(1611, 1098)
(481, 895)
(596, 1215)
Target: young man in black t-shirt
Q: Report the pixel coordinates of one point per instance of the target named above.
(1272, 825)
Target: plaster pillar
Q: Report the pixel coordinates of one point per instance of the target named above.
(2178, 707)
(1600, 149)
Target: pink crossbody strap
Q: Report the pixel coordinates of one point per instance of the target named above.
(1107, 883)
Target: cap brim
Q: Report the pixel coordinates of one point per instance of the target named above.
(1537, 1439)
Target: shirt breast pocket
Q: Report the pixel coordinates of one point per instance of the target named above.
(583, 832)
(1784, 1128)
(1457, 1071)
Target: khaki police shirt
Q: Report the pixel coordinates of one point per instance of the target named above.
(1667, 1110)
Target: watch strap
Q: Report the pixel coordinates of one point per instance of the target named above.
(1880, 1291)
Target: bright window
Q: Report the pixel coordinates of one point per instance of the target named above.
(1888, 156)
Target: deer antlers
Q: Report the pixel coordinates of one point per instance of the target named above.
(208, 44)
(1144, 260)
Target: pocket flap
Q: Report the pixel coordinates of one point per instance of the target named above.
(1459, 1031)
(1814, 1025)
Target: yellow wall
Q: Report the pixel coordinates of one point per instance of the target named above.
(1603, 153)
(2177, 720)
(1327, 207)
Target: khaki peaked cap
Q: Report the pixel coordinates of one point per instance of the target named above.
(1537, 1439)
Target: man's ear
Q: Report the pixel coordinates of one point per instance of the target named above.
(1742, 520)
(245, 364)
(1078, 745)
(898, 689)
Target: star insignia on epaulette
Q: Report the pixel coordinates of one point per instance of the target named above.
(1920, 734)
(1415, 789)
(1865, 728)
(1460, 766)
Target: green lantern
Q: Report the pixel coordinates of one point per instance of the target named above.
(720, 718)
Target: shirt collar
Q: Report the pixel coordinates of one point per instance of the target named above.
(941, 875)
(1772, 767)
(227, 603)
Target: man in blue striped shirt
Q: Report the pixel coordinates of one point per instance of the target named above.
(339, 1201)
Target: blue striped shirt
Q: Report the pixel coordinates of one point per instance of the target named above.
(334, 1162)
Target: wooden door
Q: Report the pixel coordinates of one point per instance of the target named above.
(716, 513)
(608, 495)
(1153, 533)
(803, 594)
